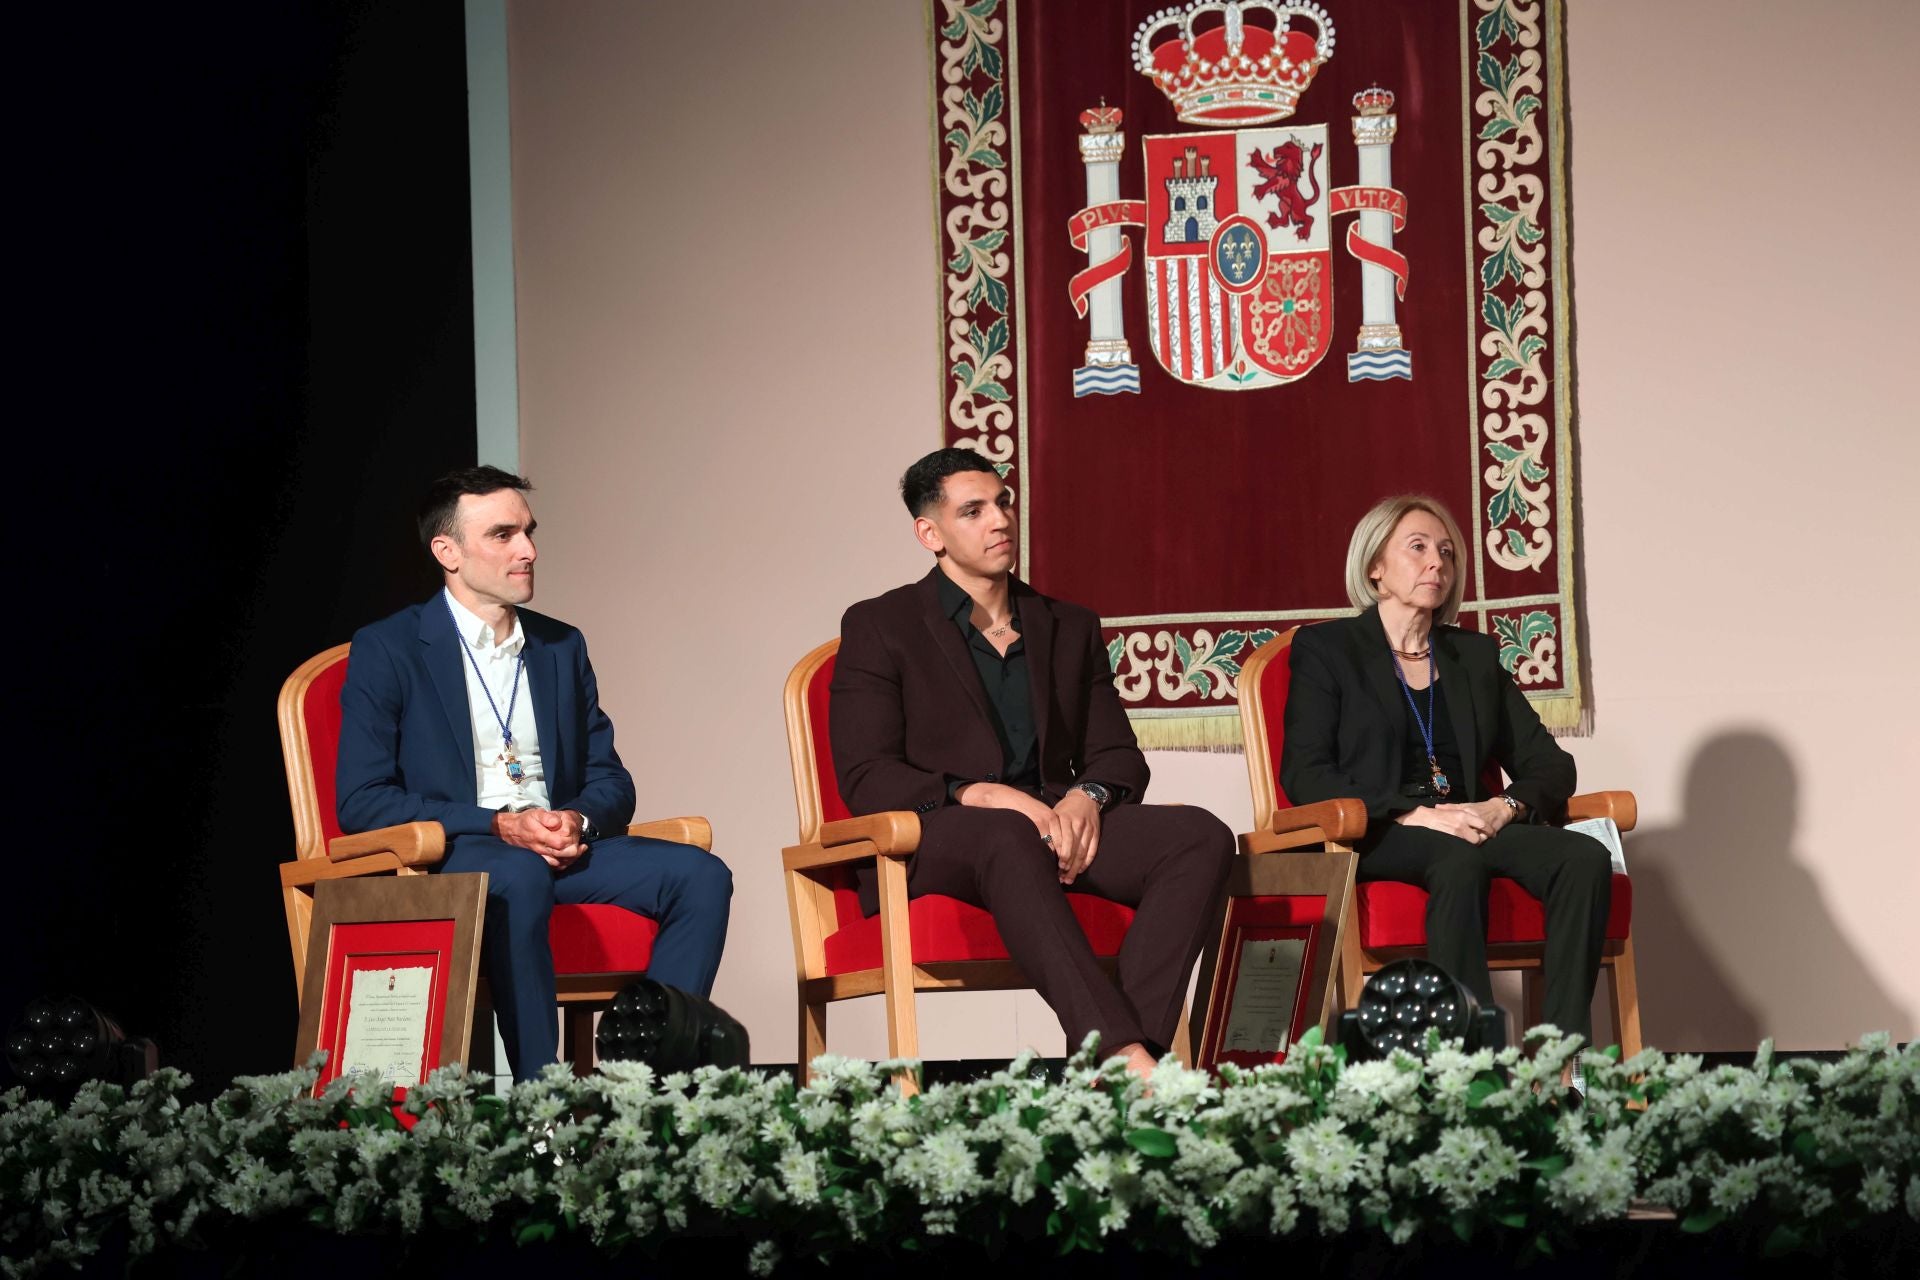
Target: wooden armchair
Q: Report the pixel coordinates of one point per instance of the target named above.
(597, 949)
(934, 943)
(1386, 920)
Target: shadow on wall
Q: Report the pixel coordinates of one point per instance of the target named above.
(1732, 938)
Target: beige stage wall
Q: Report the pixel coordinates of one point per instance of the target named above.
(725, 258)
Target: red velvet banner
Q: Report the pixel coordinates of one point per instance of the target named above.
(1216, 278)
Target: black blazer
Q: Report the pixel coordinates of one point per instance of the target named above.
(1346, 722)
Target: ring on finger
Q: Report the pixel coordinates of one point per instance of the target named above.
(1046, 840)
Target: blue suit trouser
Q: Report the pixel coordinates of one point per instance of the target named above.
(686, 889)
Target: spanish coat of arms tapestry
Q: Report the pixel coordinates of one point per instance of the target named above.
(1215, 278)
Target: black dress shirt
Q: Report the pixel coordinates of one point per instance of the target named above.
(1009, 693)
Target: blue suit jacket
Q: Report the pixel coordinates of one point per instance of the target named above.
(406, 736)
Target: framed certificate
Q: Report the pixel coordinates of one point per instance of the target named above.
(392, 963)
(1272, 974)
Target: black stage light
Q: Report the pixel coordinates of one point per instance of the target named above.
(669, 1030)
(1408, 998)
(62, 1042)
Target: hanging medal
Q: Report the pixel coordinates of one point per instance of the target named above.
(1442, 787)
(516, 771)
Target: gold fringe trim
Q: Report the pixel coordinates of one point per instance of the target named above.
(1565, 717)
(1188, 733)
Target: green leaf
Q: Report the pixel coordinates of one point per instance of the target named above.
(534, 1233)
(1200, 680)
(1525, 106)
(992, 103)
(1500, 506)
(987, 158)
(1534, 625)
(993, 293)
(983, 9)
(1502, 452)
(1183, 651)
(1480, 1090)
(989, 242)
(1462, 1224)
(1511, 656)
(1516, 1220)
(1227, 646)
(1495, 127)
(1532, 472)
(1043, 1174)
(1529, 231)
(1517, 545)
(1116, 649)
(1487, 69)
(1501, 368)
(1499, 214)
(1488, 29)
(1498, 266)
(971, 105)
(963, 372)
(1705, 1220)
(990, 59)
(1494, 311)
(1157, 1143)
(996, 339)
(1531, 345)
(957, 29)
(1782, 1240)
(1263, 635)
(1547, 1166)
(957, 139)
(992, 390)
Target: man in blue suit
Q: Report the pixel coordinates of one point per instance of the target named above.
(481, 715)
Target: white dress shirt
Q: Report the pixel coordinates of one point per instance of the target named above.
(497, 665)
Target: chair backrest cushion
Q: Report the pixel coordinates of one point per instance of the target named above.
(321, 708)
(1275, 678)
(832, 807)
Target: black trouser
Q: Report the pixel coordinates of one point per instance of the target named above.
(1569, 872)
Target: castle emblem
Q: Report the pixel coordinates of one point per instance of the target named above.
(1237, 222)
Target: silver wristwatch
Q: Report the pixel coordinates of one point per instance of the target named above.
(1095, 792)
(1510, 802)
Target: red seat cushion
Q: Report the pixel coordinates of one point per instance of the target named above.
(1395, 915)
(586, 938)
(943, 928)
(940, 928)
(593, 937)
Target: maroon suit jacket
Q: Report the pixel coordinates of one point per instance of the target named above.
(909, 714)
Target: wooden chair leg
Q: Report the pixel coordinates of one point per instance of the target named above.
(579, 1025)
(896, 969)
(1353, 963)
(813, 1036)
(1182, 1046)
(1533, 999)
(299, 907)
(1625, 990)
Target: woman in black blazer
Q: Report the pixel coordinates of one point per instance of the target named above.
(1404, 710)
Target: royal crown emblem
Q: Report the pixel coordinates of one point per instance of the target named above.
(1218, 68)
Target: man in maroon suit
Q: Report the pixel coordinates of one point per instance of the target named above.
(989, 710)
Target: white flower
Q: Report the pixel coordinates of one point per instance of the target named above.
(1736, 1188)
(1877, 1191)
(763, 1257)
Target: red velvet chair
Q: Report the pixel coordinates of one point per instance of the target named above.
(934, 943)
(596, 948)
(1387, 920)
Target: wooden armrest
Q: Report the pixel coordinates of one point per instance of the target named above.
(1618, 805)
(415, 844)
(895, 832)
(693, 831)
(303, 873)
(1344, 820)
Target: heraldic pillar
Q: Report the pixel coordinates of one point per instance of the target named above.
(1378, 352)
(1109, 368)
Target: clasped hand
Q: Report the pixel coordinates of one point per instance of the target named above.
(1476, 823)
(1071, 829)
(555, 836)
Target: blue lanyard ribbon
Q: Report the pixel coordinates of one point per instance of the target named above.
(506, 734)
(1440, 783)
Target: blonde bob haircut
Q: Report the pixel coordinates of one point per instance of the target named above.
(1370, 540)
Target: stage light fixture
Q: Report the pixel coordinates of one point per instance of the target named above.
(61, 1042)
(669, 1030)
(1408, 998)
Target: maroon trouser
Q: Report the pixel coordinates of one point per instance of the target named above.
(1168, 862)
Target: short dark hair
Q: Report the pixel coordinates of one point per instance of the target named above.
(442, 502)
(920, 487)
